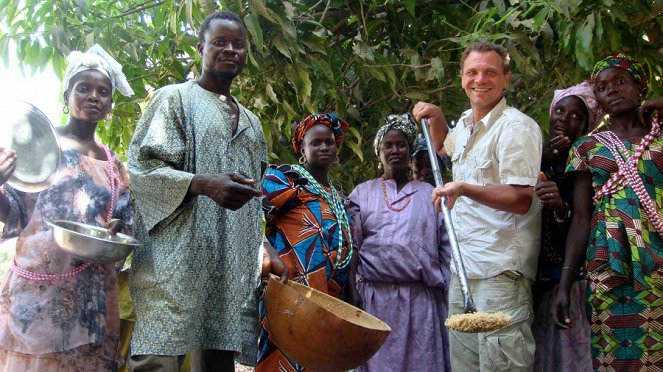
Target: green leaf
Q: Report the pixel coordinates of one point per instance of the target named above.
(82, 5)
(189, 12)
(304, 84)
(417, 96)
(364, 51)
(281, 47)
(259, 7)
(172, 22)
(356, 149)
(57, 63)
(270, 93)
(540, 18)
(436, 69)
(253, 26)
(584, 34)
(410, 6)
(355, 132)
(44, 56)
(376, 73)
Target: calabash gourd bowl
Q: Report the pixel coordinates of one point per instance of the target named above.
(320, 332)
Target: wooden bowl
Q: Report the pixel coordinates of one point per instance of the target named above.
(318, 331)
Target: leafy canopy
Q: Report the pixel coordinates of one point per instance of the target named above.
(359, 59)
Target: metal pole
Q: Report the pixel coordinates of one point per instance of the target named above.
(468, 302)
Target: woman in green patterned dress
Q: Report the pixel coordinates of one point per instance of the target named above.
(617, 224)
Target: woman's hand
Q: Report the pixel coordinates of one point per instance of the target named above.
(560, 309)
(115, 225)
(7, 164)
(650, 106)
(548, 193)
(556, 148)
(352, 295)
(272, 264)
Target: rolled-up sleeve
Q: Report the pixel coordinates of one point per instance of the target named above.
(519, 153)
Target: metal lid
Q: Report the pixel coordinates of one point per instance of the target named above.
(38, 156)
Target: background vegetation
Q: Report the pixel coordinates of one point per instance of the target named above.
(360, 59)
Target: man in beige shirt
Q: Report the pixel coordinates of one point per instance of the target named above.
(495, 154)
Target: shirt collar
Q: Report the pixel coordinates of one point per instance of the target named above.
(487, 120)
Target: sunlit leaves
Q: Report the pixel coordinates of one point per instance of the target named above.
(359, 59)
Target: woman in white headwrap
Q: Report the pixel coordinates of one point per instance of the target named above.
(58, 313)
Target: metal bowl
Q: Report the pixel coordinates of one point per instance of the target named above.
(320, 332)
(92, 243)
(38, 156)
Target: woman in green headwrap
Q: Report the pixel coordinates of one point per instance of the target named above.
(620, 170)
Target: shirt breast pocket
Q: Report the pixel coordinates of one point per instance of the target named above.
(483, 168)
(475, 169)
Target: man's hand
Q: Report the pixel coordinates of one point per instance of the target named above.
(229, 190)
(451, 191)
(436, 122)
(7, 164)
(272, 264)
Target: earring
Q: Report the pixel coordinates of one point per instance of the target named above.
(337, 160)
(302, 159)
(379, 165)
(65, 109)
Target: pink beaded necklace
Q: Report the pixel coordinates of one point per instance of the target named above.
(628, 169)
(111, 181)
(108, 215)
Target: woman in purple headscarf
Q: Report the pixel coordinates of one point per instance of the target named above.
(573, 112)
(616, 232)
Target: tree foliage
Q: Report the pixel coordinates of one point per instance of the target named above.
(359, 59)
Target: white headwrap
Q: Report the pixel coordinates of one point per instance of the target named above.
(96, 58)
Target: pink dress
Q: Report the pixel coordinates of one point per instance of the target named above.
(66, 323)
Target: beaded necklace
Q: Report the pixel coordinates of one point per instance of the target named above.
(111, 181)
(109, 214)
(628, 168)
(383, 184)
(618, 181)
(336, 204)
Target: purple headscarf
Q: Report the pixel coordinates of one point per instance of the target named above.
(585, 92)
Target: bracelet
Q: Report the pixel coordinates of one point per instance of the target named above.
(113, 220)
(571, 269)
(566, 217)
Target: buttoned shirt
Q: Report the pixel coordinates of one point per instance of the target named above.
(504, 147)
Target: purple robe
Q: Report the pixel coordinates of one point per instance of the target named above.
(403, 274)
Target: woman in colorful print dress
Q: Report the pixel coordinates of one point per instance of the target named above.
(59, 313)
(617, 224)
(307, 223)
(403, 257)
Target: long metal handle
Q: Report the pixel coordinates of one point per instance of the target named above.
(468, 301)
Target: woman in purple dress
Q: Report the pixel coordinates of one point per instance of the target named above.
(403, 257)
